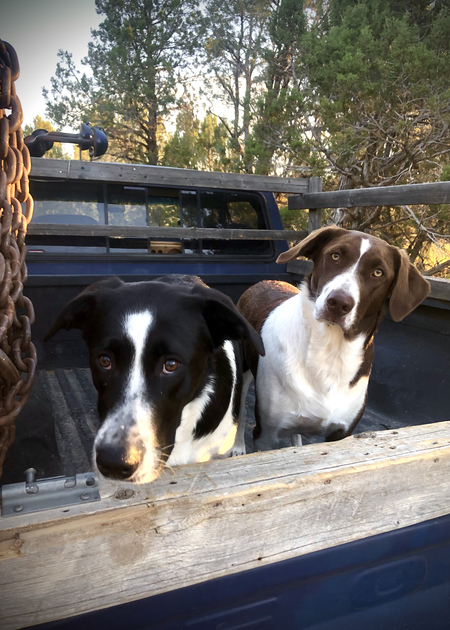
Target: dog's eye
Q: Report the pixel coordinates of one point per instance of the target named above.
(170, 366)
(335, 256)
(104, 361)
(378, 273)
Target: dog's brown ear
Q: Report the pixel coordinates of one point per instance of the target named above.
(74, 314)
(225, 322)
(312, 244)
(409, 289)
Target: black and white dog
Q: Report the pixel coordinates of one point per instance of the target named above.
(166, 363)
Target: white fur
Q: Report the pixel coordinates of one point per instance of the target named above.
(239, 445)
(216, 444)
(303, 381)
(132, 420)
(347, 282)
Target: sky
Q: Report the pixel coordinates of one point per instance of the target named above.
(37, 29)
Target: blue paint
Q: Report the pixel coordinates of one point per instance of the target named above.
(399, 580)
(260, 266)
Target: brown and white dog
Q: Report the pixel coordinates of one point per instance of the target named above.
(313, 378)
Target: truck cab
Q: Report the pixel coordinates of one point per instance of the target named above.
(117, 197)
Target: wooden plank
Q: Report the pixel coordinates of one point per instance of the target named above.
(123, 231)
(214, 519)
(411, 194)
(315, 214)
(42, 168)
(440, 289)
(300, 267)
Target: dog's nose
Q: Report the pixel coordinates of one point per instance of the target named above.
(114, 462)
(340, 303)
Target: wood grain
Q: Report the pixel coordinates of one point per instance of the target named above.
(123, 231)
(42, 168)
(412, 194)
(315, 214)
(219, 518)
(440, 289)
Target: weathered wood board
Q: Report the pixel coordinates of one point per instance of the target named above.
(209, 520)
(123, 231)
(412, 194)
(162, 176)
(440, 287)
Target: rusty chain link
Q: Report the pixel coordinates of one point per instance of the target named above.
(17, 352)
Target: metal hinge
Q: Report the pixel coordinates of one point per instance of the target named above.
(35, 495)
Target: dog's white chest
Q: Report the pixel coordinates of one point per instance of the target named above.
(304, 380)
(217, 444)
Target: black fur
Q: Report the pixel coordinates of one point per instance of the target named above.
(190, 325)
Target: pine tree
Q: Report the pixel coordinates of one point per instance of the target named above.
(235, 32)
(136, 62)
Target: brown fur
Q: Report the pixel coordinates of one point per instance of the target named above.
(401, 280)
(256, 304)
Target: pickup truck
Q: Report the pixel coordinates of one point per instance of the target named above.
(351, 534)
(99, 203)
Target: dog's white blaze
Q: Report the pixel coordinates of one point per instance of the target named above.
(132, 420)
(137, 326)
(219, 443)
(346, 281)
(303, 382)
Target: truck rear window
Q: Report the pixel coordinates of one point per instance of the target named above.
(92, 203)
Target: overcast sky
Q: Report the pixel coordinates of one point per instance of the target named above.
(37, 29)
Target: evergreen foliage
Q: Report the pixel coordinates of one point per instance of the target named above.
(357, 91)
(135, 60)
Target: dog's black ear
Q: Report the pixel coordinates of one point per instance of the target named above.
(409, 289)
(225, 322)
(75, 312)
(312, 244)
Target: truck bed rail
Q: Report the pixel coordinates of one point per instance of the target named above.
(50, 229)
(166, 176)
(412, 194)
(215, 519)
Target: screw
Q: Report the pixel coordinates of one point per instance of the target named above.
(123, 494)
(85, 496)
(90, 481)
(18, 508)
(17, 542)
(30, 475)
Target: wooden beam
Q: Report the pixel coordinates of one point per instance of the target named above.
(440, 287)
(123, 231)
(300, 267)
(315, 214)
(214, 519)
(139, 174)
(412, 194)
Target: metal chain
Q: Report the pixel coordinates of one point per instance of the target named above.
(17, 352)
